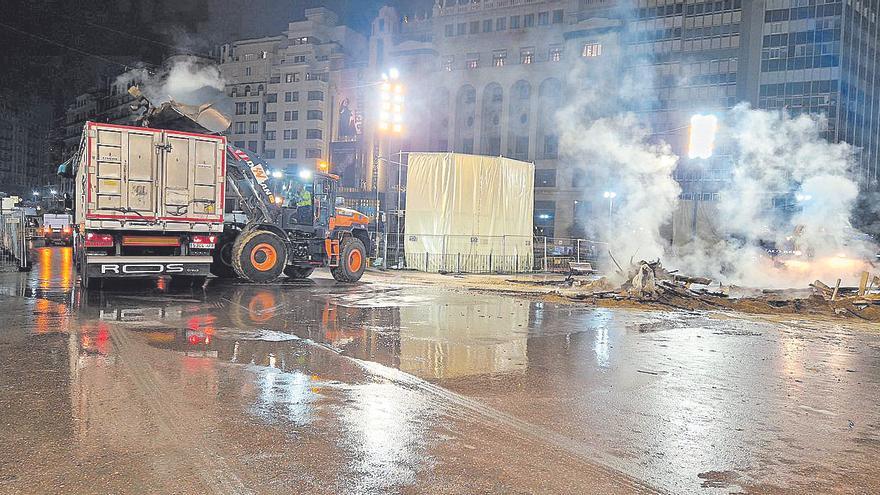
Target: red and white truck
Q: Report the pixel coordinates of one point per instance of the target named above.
(149, 203)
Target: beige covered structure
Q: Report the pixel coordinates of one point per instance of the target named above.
(469, 213)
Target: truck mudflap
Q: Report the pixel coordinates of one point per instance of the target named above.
(147, 266)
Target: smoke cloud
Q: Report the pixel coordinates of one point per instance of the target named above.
(616, 152)
(790, 192)
(782, 218)
(184, 79)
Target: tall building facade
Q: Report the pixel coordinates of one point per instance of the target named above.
(287, 91)
(820, 56)
(488, 78)
(24, 145)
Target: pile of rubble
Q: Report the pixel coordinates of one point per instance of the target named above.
(648, 282)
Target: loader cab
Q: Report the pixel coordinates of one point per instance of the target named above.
(307, 200)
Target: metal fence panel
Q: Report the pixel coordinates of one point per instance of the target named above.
(491, 254)
(14, 240)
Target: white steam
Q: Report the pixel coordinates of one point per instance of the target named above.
(776, 157)
(187, 79)
(790, 190)
(616, 152)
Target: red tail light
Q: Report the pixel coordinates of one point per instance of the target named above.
(99, 240)
(203, 241)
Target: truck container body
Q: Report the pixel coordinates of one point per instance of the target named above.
(149, 202)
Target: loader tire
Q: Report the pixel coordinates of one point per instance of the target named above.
(222, 267)
(352, 261)
(259, 256)
(298, 272)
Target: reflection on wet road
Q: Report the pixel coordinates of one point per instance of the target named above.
(389, 388)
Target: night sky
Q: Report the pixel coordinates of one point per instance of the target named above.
(56, 49)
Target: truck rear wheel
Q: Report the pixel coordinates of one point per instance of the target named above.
(222, 265)
(298, 272)
(352, 261)
(259, 256)
(85, 281)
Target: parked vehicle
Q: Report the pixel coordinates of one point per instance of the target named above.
(150, 202)
(57, 229)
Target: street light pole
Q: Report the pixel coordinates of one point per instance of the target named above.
(390, 124)
(610, 195)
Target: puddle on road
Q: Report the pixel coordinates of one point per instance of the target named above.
(684, 382)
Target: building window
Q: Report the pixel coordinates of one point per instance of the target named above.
(269, 154)
(521, 148)
(291, 115)
(583, 210)
(475, 27)
(316, 96)
(314, 115)
(288, 78)
(271, 116)
(291, 96)
(240, 108)
(449, 63)
(545, 215)
(487, 26)
(473, 61)
(501, 24)
(271, 97)
(555, 54)
(253, 127)
(313, 153)
(299, 59)
(255, 107)
(580, 179)
(289, 153)
(252, 145)
(514, 22)
(498, 58)
(461, 29)
(529, 20)
(247, 71)
(545, 178)
(303, 40)
(551, 146)
(314, 134)
(450, 30)
(274, 79)
(592, 50)
(291, 134)
(238, 144)
(494, 146)
(270, 135)
(543, 18)
(527, 55)
(557, 16)
(239, 127)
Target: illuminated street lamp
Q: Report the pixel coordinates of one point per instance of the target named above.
(610, 195)
(391, 107)
(701, 140)
(391, 94)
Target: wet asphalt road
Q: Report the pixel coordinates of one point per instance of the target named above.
(385, 387)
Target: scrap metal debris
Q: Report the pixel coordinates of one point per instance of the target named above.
(648, 282)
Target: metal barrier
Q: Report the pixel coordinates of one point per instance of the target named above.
(487, 254)
(14, 249)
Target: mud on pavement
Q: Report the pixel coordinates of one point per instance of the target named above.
(413, 388)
